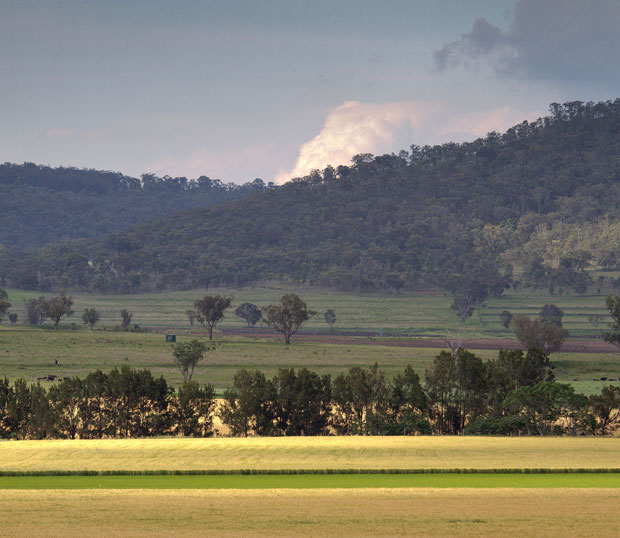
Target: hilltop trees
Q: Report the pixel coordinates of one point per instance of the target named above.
(422, 217)
(210, 311)
(288, 316)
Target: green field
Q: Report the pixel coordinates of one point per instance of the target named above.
(419, 314)
(31, 353)
(349, 481)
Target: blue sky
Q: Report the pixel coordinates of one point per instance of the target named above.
(271, 89)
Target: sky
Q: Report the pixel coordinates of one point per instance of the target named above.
(240, 89)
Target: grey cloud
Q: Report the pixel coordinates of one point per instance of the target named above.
(570, 40)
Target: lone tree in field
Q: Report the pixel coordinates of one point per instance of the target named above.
(550, 313)
(35, 310)
(250, 313)
(59, 307)
(464, 308)
(288, 316)
(4, 304)
(188, 354)
(506, 317)
(125, 318)
(210, 311)
(13, 318)
(191, 315)
(537, 333)
(90, 317)
(613, 306)
(330, 318)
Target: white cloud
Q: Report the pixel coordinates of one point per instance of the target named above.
(355, 127)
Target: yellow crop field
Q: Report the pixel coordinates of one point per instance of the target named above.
(330, 512)
(311, 453)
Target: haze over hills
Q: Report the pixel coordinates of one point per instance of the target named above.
(541, 200)
(41, 205)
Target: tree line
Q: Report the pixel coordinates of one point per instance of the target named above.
(512, 394)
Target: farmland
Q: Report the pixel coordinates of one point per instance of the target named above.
(327, 504)
(414, 314)
(325, 512)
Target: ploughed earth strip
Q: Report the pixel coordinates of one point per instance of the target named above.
(569, 346)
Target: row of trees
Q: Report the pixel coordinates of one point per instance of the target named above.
(285, 318)
(512, 394)
(123, 403)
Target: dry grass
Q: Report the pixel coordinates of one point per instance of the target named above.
(376, 512)
(312, 453)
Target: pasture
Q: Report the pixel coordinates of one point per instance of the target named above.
(31, 353)
(417, 314)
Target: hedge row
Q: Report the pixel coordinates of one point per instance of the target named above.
(228, 472)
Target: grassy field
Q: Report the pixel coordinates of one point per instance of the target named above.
(434, 452)
(426, 314)
(341, 481)
(311, 512)
(31, 353)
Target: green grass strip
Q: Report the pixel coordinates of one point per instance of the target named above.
(440, 480)
(285, 472)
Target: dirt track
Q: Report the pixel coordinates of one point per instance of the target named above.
(570, 346)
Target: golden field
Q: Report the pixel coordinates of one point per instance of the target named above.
(329, 512)
(433, 452)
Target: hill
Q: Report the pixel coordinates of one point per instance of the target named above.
(540, 201)
(40, 205)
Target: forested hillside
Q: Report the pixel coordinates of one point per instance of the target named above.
(40, 205)
(542, 199)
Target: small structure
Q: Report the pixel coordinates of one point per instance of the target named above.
(171, 338)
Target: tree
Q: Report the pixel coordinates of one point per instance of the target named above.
(613, 306)
(210, 311)
(330, 318)
(59, 307)
(4, 303)
(595, 321)
(250, 313)
(191, 315)
(188, 354)
(536, 333)
(288, 316)
(13, 318)
(506, 318)
(606, 407)
(463, 307)
(550, 313)
(90, 317)
(125, 318)
(35, 310)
